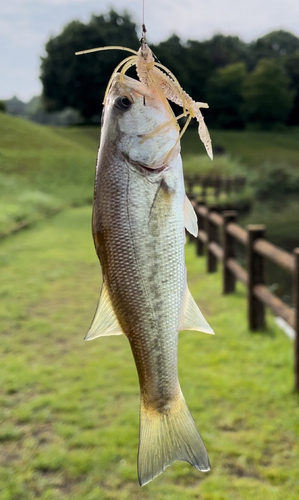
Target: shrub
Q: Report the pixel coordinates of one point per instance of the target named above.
(275, 181)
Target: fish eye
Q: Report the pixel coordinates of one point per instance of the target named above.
(123, 103)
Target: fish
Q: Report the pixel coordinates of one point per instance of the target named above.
(140, 213)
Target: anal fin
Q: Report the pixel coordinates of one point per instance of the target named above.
(105, 321)
(193, 318)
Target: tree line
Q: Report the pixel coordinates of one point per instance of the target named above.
(245, 84)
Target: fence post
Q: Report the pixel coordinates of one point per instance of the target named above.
(212, 232)
(256, 275)
(296, 306)
(229, 252)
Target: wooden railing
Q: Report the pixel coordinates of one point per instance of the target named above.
(218, 234)
(216, 184)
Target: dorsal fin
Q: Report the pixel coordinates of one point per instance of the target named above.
(192, 316)
(105, 321)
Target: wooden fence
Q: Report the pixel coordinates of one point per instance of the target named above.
(218, 185)
(218, 234)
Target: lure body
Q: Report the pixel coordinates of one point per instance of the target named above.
(164, 82)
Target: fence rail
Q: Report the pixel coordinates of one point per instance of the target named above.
(218, 184)
(217, 235)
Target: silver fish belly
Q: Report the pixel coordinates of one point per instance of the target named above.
(139, 218)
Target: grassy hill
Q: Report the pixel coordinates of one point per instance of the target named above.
(42, 170)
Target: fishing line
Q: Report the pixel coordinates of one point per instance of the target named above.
(143, 21)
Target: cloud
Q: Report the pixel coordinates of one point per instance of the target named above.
(19, 34)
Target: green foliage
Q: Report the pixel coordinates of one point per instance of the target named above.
(267, 95)
(79, 82)
(215, 70)
(291, 64)
(69, 409)
(276, 44)
(222, 165)
(194, 62)
(225, 96)
(276, 182)
(189, 62)
(225, 50)
(15, 107)
(2, 106)
(198, 68)
(173, 54)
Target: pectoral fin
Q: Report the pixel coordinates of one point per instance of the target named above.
(190, 219)
(192, 317)
(105, 321)
(160, 209)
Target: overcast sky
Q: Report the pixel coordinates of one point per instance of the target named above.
(26, 25)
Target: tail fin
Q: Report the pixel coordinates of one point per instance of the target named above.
(168, 437)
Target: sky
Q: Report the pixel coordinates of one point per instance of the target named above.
(26, 26)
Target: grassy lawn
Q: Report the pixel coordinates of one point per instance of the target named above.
(252, 148)
(69, 409)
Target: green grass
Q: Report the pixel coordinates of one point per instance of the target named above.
(251, 148)
(69, 409)
(43, 170)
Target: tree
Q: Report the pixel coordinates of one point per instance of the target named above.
(172, 54)
(198, 69)
(80, 81)
(267, 95)
(291, 65)
(190, 64)
(276, 44)
(225, 96)
(224, 50)
(15, 107)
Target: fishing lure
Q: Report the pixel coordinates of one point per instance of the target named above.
(149, 72)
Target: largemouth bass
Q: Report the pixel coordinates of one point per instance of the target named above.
(139, 217)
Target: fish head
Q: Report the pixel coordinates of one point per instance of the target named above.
(140, 123)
